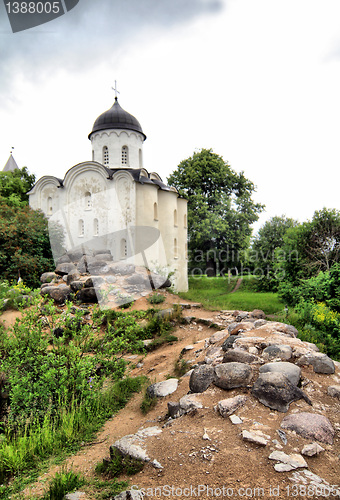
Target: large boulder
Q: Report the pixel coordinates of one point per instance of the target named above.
(87, 295)
(239, 356)
(201, 378)
(232, 375)
(320, 362)
(283, 352)
(162, 389)
(48, 277)
(65, 268)
(310, 426)
(228, 344)
(60, 293)
(274, 389)
(291, 371)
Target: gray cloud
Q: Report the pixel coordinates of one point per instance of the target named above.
(91, 28)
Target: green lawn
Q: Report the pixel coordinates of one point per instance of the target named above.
(214, 294)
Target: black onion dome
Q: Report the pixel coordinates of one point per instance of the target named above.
(116, 117)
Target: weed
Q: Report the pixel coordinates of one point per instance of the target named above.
(119, 464)
(156, 298)
(148, 403)
(63, 482)
(181, 367)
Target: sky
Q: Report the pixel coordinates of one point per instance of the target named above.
(256, 81)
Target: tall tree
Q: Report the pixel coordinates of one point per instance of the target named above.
(14, 185)
(220, 210)
(266, 250)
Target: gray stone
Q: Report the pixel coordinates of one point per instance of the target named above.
(174, 410)
(160, 281)
(201, 378)
(130, 495)
(65, 268)
(190, 402)
(76, 286)
(45, 290)
(234, 419)
(294, 460)
(87, 295)
(310, 450)
(310, 426)
(283, 352)
(107, 257)
(254, 437)
(227, 344)
(239, 356)
(321, 362)
(291, 371)
(60, 293)
(217, 336)
(110, 279)
(258, 314)
(260, 322)
(127, 446)
(276, 391)
(281, 467)
(149, 432)
(138, 279)
(162, 389)
(94, 281)
(77, 495)
(122, 269)
(48, 277)
(334, 391)
(228, 406)
(232, 375)
(72, 277)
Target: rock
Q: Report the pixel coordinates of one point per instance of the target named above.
(127, 447)
(310, 426)
(174, 410)
(310, 450)
(228, 406)
(283, 352)
(276, 391)
(106, 257)
(130, 495)
(239, 356)
(111, 279)
(160, 281)
(156, 464)
(189, 402)
(162, 389)
(321, 362)
(65, 268)
(234, 419)
(76, 286)
(229, 342)
(94, 281)
(48, 277)
(165, 313)
(122, 269)
(294, 460)
(291, 371)
(260, 322)
(213, 353)
(334, 391)
(149, 432)
(77, 495)
(201, 378)
(205, 436)
(138, 279)
(232, 375)
(216, 337)
(258, 314)
(87, 295)
(283, 467)
(45, 290)
(254, 437)
(72, 277)
(60, 293)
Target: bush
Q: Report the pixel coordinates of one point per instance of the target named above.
(156, 298)
(63, 482)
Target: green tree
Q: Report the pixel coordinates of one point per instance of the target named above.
(14, 186)
(24, 243)
(220, 210)
(266, 250)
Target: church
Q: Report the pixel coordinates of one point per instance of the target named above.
(113, 202)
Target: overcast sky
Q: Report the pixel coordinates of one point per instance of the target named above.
(255, 80)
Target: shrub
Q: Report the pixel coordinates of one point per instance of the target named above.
(156, 298)
(63, 482)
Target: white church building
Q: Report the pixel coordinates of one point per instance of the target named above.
(112, 201)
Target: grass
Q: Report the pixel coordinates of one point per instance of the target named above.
(215, 294)
(27, 449)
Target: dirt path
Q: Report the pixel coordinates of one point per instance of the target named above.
(237, 286)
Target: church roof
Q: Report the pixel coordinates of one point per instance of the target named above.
(116, 118)
(11, 164)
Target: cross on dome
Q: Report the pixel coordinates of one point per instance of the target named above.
(116, 90)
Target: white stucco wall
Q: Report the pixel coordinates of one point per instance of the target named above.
(114, 140)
